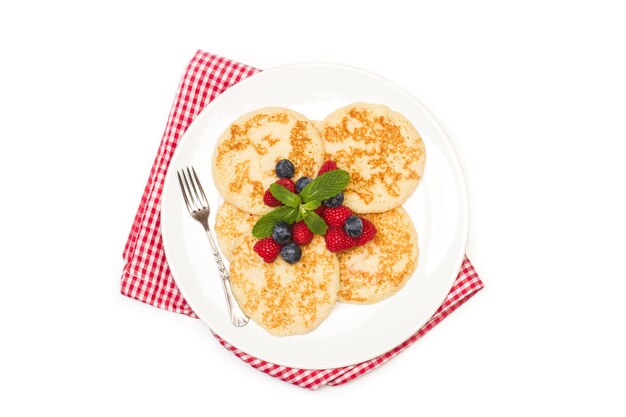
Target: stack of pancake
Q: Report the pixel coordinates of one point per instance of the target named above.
(384, 155)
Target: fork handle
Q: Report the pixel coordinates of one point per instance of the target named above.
(237, 317)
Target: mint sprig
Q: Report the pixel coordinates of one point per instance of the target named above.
(284, 195)
(325, 186)
(311, 205)
(265, 225)
(301, 207)
(315, 223)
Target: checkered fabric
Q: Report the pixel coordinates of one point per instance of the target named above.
(146, 276)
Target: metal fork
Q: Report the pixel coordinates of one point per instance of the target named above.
(198, 207)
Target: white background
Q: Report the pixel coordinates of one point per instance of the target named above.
(533, 96)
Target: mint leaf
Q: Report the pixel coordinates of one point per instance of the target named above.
(302, 213)
(284, 195)
(315, 223)
(325, 186)
(290, 218)
(265, 225)
(311, 205)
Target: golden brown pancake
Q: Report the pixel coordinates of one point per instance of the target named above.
(247, 152)
(381, 150)
(378, 269)
(282, 298)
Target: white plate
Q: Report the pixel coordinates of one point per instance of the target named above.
(352, 333)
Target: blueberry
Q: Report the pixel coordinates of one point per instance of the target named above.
(291, 253)
(353, 226)
(301, 183)
(281, 233)
(335, 201)
(284, 168)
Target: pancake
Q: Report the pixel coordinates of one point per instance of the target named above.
(381, 267)
(247, 152)
(233, 227)
(286, 299)
(319, 125)
(381, 150)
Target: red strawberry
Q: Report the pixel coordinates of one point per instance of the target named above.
(327, 166)
(336, 216)
(320, 210)
(267, 249)
(337, 239)
(369, 231)
(300, 234)
(270, 200)
(287, 183)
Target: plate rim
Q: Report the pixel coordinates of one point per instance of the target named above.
(457, 168)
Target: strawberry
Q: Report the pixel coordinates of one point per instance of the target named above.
(336, 216)
(337, 239)
(369, 231)
(287, 183)
(300, 234)
(270, 200)
(327, 166)
(267, 249)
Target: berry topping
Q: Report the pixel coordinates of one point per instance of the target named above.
(291, 253)
(353, 226)
(369, 231)
(267, 249)
(284, 169)
(270, 200)
(334, 201)
(336, 216)
(281, 233)
(287, 183)
(327, 166)
(337, 239)
(301, 234)
(301, 183)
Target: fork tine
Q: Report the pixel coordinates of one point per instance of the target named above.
(193, 184)
(193, 204)
(182, 188)
(205, 201)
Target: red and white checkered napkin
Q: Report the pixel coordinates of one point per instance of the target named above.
(147, 277)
